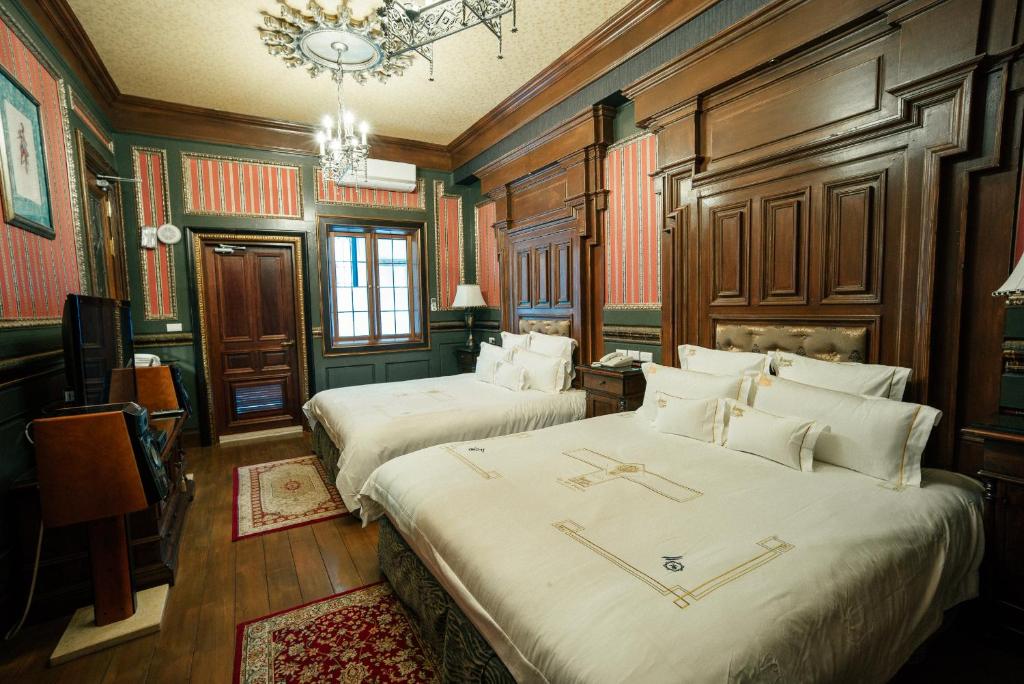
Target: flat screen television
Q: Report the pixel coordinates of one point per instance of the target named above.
(97, 341)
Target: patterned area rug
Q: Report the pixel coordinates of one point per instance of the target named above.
(282, 494)
(360, 636)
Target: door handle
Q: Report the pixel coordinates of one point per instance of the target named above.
(288, 343)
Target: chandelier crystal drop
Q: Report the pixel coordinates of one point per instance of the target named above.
(343, 148)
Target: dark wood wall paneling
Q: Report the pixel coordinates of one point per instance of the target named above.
(550, 198)
(849, 163)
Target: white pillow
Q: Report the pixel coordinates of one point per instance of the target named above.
(877, 437)
(510, 376)
(488, 359)
(869, 379)
(544, 373)
(789, 441)
(720, 362)
(512, 342)
(556, 346)
(687, 384)
(693, 418)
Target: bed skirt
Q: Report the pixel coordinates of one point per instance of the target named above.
(328, 452)
(454, 644)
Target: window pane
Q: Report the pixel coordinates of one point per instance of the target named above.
(360, 248)
(387, 323)
(344, 273)
(344, 299)
(401, 299)
(398, 251)
(387, 299)
(386, 277)
(401, 277)
(345, 328)
(402, 323)
(384, 250)
(362, 324)
(359, 299)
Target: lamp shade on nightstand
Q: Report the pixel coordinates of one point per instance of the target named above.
(1014, 285)
(468, 296)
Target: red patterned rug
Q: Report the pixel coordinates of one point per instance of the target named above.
(359, 636)
(282, 494)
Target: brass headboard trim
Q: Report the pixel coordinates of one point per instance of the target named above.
(828, 343)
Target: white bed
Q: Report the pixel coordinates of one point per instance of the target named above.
(372, 424)
(604, 551)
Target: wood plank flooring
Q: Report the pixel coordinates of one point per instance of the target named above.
(220, 583)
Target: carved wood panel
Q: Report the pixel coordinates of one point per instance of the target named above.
(730, 253)
(541, 269)
(854, 211)
(784, 247)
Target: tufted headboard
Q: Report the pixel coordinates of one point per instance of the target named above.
(558, 326)
(842, 343)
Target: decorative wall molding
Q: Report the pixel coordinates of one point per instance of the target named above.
(36, 273)
(230, 186)
(488, 270)
(449, 264)
(153, 208)
(90, 122)
(632, 334)
(632, 225)
(329, 192)
(162, 340)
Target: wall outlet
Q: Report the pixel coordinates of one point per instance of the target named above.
(491, 339)
(174, 327)
(433, 303)
(646, 356)
(633, 354)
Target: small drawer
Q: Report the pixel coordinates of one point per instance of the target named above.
(609, 384)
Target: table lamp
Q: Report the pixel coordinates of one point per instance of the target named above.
(468, 296)
(1011, 382)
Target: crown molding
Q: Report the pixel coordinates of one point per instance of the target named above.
(622, 36)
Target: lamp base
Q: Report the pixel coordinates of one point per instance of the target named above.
(83, 637)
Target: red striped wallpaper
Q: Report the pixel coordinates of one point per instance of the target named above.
(487, 254)
(632, 241)
(36, 273)
(448, 243)
(224, 186)
(328, 192)
(154, 209)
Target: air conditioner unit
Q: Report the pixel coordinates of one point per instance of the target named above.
(386, 175)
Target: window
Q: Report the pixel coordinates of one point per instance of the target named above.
(374, 285)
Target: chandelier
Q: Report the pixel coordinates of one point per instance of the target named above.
(380, 45)
(343, 154)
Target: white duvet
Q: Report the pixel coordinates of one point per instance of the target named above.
(604, 551)
(372, 424)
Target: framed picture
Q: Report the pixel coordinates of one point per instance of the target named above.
(26, 196)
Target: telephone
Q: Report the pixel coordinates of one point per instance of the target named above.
(614, 360)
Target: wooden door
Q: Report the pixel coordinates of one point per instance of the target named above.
(252, 334)
(104, 230)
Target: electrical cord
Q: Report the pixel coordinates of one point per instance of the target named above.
(13, 631)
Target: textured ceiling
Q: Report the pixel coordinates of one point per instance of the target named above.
(207, 54)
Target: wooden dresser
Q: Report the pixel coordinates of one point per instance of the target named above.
(612, 390)
(1002, 471)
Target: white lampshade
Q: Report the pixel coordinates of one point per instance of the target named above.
(1014, 285)
(468, 296)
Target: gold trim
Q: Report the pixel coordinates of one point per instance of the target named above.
(637, 334)
(443, 299)
(90, 121)
(476, 247)
(633, 307)
(300, 308)
(681, 597)
(140, 218)
(163, 339)
(421, 190)
(187, 189)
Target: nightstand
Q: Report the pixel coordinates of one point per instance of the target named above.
(612, 390)
(465, 359)
(1002, 472)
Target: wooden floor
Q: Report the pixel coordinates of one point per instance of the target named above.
(220, 583)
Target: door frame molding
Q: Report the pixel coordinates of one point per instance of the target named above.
(89, 155)
(194, 238)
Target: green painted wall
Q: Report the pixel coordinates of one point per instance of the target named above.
(328, 371)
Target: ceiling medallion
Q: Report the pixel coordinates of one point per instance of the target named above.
(380, 45)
